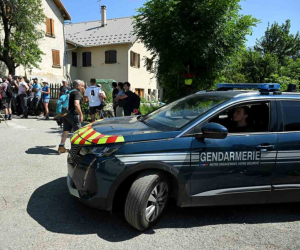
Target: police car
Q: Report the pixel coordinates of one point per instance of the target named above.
(192, 150)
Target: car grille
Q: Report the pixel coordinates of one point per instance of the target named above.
(74, 156)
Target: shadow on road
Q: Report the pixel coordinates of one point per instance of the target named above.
(53, 208)
(42, 150)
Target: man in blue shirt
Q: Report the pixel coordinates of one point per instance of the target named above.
(36, 88)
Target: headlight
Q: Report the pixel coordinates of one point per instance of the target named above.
(99, 151)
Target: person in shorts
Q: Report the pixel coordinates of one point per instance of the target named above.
(46, 97)
(75, 117)
(6, 101)
(36, 89)
(94, 95)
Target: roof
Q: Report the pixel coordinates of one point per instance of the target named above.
(91, 34)
(63, 10)
(245, 94)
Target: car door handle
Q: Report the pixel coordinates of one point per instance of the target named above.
(265, 148)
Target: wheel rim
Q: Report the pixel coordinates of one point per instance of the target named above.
(156, 201)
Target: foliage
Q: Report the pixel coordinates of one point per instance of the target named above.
(146, 109)
(108, 93)
(21, 20)
(278, 40)
(191, 36)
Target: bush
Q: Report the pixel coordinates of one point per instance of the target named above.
(145, 109)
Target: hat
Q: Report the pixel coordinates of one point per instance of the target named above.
(44, 80)
(64, 80)
(34, 78)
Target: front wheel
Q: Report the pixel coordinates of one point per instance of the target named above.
(147, 199)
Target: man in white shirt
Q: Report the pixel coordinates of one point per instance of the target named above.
(95, 96)
(22, 89)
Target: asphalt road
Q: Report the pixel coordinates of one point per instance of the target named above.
(36, 211)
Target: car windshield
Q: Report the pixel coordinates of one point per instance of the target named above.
(178, 114)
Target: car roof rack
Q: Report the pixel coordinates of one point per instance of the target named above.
(264, 88)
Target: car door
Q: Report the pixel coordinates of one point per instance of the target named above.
(237, 169)
(286, 180)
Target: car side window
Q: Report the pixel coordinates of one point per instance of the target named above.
(245, 118)
(291, 118)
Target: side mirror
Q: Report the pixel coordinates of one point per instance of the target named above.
(211, 131)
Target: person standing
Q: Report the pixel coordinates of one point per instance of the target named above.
(75, 117)
(93, 96)
(132, 100)
(46, 97)
(6, 99)
(22, 90)
(36, 89)
(119, 109)
(15, 94)
(64, 88)
(114, 97)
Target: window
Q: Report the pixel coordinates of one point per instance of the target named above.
(56, 58)
(50, 27)
(140, 92)
(110, 56)
(245, 118)
(149, 64)
(135, 59)
(74, 59)
(291, 119)
(86, 59)
(180, 113)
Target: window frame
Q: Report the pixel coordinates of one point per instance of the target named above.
(281, 121)
(149, 64)
(135, 59)
(74, 62)
(50, 30)
(57, 65)
(109, 57)
(85, 60)
(140, 90)
(273, 118)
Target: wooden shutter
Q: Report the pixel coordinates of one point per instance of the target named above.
(113, 56)
(139, 61)
(137, 91)
(142, 93)
(56, 57)
(106, 56)
(88, 59)
(52, 27)
(74, 59)
(84, 59)
(131, 58)
(48, 26)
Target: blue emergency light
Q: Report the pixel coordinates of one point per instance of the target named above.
(260, 86)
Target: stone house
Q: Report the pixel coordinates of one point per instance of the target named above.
(53, 65)
(108, 49)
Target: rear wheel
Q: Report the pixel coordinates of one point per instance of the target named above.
(147, 199)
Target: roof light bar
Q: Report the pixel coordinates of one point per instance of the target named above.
(260, 86)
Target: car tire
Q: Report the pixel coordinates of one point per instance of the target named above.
(147, 200)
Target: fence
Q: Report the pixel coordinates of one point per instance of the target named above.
(54, 90)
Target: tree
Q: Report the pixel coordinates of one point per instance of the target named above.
(258, 67)
(20, 21)
(278, 40)
(191, 36)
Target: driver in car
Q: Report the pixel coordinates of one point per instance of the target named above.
(241, 121)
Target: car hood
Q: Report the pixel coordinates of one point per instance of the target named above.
(117, 130)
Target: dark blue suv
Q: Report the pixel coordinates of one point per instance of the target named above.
(208, 149)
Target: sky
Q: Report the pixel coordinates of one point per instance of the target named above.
(267, 11)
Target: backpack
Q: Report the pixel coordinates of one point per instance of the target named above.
(136, 101)
(9, 91)
(62, 105)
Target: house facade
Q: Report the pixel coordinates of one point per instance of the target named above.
(108, 49)
(53, 64)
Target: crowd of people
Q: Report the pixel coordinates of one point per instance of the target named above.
(23, 97)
